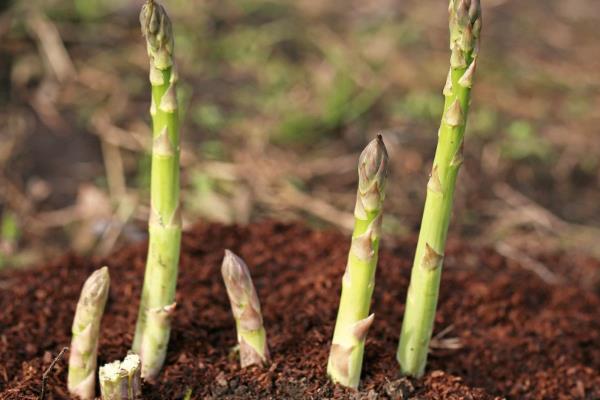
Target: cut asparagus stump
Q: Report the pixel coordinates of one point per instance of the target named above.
(86, 327)
(251, 334)
(353, 319)
(158, 293)
(421, 302)
(121, 380)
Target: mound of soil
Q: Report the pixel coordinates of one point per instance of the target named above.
(517, 336)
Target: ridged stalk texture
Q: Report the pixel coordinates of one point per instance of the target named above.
(86, 327)
(421, 302)
(251, 334)
(121, 380)
(353, 319)
(158, 293)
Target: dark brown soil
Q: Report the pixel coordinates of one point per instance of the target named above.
(521, 338)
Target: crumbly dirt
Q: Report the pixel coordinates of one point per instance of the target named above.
(519, 337)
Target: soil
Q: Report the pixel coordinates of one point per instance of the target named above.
(519, 337)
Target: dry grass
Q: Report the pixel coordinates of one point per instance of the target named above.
(278, 99)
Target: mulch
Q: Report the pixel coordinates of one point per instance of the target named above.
(520, 337)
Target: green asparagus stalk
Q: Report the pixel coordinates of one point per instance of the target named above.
(353, 319)
(158, 294)
(86, 327)
(421, 302)
(121, 380)
(252, 337)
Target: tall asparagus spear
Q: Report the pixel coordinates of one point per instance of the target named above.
(86, 326)
(353, 320)
(245, 306)
(421, 302)
(158, 294)
(121, 380)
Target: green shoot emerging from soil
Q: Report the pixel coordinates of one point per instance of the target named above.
(86, 327)
(252, 337)
(158, 294)
(353, 320)
(121, 380)
(421, 302)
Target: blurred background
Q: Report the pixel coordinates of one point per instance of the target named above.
(277, 100)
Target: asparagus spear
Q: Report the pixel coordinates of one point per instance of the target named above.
(158, 294)
(86, 326)
(421, 302)
(353, 320)
(121, 380)
(252, 337)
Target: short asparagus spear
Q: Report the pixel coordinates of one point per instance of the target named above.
(86, 327)
(421, 302)
(158, 293)
(245, 306)
(353, 320)
(121, 380)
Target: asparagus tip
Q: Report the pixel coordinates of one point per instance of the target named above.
(373, 168)
(374, 160)
(233, 268)
(157, 29)
(465, 27)
(96, 286)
